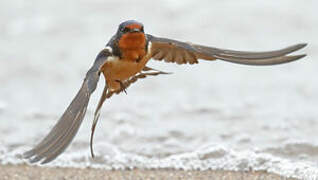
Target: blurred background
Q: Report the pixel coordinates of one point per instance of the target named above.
(213, 115)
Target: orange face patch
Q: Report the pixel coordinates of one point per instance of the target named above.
(132, 46)
(132, 41)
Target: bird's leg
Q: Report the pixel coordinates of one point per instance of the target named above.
(108, 93)
(122, 86)
(146, 68)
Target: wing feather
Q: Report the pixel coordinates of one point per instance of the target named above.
(183, 53)
(66, 128)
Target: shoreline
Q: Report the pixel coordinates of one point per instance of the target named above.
(25, 172)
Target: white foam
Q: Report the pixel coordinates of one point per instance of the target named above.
(212, 157)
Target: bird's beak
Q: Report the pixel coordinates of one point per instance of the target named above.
(135, 30)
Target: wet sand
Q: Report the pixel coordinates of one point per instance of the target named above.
(24, 172)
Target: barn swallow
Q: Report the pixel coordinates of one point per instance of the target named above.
(123, 61)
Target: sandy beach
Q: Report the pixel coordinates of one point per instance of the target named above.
(25, 172)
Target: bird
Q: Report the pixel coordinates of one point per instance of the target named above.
(122, 62)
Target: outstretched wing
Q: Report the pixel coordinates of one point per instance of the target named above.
(66, 128)
(182, 53)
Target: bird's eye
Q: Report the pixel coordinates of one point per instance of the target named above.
(126, 29)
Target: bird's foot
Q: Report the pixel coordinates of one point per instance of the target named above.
(122, 86)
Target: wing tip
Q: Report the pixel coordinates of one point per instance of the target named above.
(301, 45)
(31, 156)
(28, 154)
(299, 56)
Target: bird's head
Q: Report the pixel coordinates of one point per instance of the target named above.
(131, 35)
(130, 26)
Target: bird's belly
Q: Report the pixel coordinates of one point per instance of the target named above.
(121, 69)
